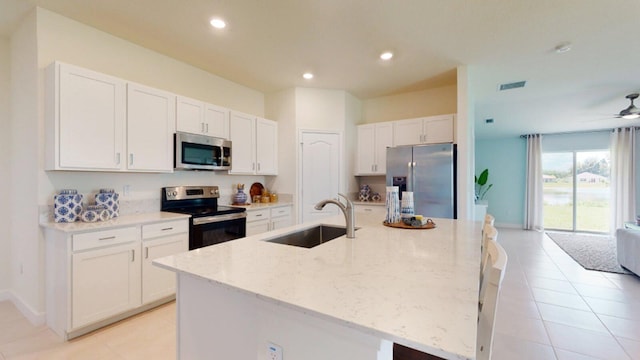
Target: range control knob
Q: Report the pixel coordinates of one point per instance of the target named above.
(214, 191)
(174, 193)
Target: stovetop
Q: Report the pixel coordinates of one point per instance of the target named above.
(197, 201)
(207, 210)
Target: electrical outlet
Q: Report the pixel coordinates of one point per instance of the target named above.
(126, 190)
(274, 352)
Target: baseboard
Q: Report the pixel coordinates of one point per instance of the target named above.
(34, 317)
(509, 226)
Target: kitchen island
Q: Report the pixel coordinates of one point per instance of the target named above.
(344, 299)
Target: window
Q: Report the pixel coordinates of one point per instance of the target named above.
(576, 190)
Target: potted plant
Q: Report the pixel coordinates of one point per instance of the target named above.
(481, 185)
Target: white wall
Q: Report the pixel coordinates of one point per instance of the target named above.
(436, 101)
(353, 116)
(320, 109)
(281, 107)
(5, 166)
(465, 135)
(26, 239)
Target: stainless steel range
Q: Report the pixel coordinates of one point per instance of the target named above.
(209, 223)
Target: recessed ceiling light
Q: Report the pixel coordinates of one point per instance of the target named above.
(387, 55)
(218, 23)
(307, 76)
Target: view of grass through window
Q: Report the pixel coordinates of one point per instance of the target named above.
(576, 190)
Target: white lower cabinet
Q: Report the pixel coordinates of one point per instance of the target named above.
(267, 219)
(105, 282)
(159, 240)
(281, 217)
(94, 278)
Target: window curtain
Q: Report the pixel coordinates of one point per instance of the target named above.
(534, 199)
(623, 171)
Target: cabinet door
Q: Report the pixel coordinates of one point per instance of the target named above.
(90, 119)
(158, 282)
(150, 127)
(242, 135)
(438, 129)
(266, 147)
(407, 132)
(366, 149)
(216, 121)
(190, 115)
(257, 227)
(383, 140)
(104, 282)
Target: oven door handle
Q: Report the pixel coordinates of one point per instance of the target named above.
(218, 218)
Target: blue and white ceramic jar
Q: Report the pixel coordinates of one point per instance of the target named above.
(110, 199)
(95, 213)
(67, 206)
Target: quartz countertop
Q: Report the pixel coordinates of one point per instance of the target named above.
(418, 288)
(120, 221)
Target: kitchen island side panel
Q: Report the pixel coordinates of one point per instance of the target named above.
(215, 321)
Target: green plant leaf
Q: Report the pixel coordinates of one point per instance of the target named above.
(484, 176)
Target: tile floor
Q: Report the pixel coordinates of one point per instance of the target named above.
(550, 308)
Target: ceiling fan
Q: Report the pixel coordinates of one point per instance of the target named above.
(631, 112)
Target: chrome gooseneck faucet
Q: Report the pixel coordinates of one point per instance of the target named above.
(347, 210)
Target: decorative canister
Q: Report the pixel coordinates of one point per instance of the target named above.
(67, 206)
(95, 213)
(365, 193)
(240, 198)
(274, 197)
(407, 210)
(111, 200)
(392, 205)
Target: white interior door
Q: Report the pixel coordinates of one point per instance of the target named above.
(320, 167)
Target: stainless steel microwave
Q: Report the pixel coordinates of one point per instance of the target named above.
(199, 152)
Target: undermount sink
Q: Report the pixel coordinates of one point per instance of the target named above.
(310, 237)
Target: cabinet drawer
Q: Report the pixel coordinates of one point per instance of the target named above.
(165, 229)
(255, 215)
(103, 238)
(281, 211)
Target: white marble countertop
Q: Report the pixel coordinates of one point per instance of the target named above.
(120, 221)
(418, 288)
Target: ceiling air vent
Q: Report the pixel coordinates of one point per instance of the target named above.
(488, 121)
(513, 85)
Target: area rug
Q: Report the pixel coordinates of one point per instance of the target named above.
(593, 252)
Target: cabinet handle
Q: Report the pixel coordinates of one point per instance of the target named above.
(169, 228)
(258, 215)
(202, 126)
(146, 252)
(107, 238)
(258, 166)
(207, 128)
(118, 158)
(133, 255)
(253, 166)
(130, 159)
(368, 210)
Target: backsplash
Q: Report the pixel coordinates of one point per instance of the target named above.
(140, 206)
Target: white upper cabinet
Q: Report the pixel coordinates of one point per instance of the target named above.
(97, 122)
(85, 119)
(254, 143)
(266, 147)
(197, 117)
(373, 140)
(427, 130)
(242, 131)
(150, 128)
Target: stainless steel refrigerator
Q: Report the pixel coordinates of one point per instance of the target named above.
(430, 172)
